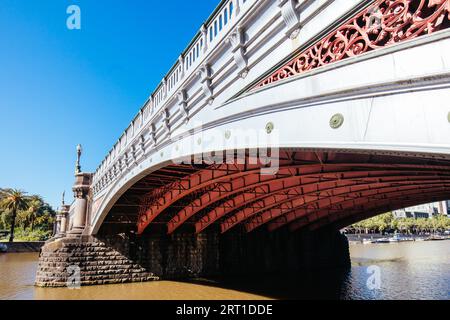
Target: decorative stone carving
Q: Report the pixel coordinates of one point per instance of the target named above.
(291, 17)
(237, 40)
(165, 119)
(142, 143)
(182, 103)
(153, 133)
(133, 153)
(80, 190)
(126, 160)
(204, 73)
(61, 219)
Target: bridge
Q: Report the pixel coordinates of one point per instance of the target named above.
(282, 122)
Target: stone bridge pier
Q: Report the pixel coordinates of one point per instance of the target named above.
(125, 257)
(121, 256)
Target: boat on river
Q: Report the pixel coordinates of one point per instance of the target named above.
(400, 238)
(381, 240)
(437, 238)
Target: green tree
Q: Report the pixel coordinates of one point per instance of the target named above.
(13, 200)
(35, 206)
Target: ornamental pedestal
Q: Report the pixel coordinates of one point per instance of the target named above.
(61, 221)
(81, 192)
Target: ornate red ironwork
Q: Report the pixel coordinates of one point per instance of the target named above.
(384, 23)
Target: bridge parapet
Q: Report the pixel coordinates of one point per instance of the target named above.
(233, 49)
(172, 88)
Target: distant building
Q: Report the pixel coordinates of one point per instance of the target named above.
(426, 211)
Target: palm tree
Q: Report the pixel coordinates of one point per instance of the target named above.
(34, 206)
(13, 200)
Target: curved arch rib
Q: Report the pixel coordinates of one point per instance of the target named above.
(273, 183)
(206, 178)
(264, 216)
(307, 216)
(378, 208)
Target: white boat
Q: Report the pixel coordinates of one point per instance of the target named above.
(399, 238)
(381, 240)
(437, 238)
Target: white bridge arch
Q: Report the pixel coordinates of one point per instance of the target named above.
(392, 101)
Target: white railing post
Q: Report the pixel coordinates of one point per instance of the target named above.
(181, 62)
(164, 88)
(204, 32)
(152, 106)
(237, 7)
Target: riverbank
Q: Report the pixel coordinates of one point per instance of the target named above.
(22, 247)
(392, 238)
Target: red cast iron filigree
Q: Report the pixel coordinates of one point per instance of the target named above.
(384, 23)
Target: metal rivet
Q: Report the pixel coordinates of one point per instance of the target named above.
(337, 121)
(162, 154)
(199, 141)
(227, 134)
(269, 127)
(448, 117)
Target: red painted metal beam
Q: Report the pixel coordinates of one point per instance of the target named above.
(245, 199)
(302, 219)
(318, 201)
(274, 184)
(300, 213)
(381, 206)
(245, 182)
(275, 206)
(349, 219)
(199, 180)
(184, 187)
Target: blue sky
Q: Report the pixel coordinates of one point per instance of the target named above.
(61, 87)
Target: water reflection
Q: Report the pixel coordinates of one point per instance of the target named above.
(419, 270)
(17, 272)
(408, 271)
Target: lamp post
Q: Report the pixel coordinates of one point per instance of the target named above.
(81, 190)
(77, 164)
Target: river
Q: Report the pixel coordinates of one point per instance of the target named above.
(410, 270)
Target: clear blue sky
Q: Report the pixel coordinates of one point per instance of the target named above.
(61, 87)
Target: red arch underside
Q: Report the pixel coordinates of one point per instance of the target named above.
(309, 189)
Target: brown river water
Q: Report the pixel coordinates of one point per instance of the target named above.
(416, 270)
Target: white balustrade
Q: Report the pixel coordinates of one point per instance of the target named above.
(210, 35)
